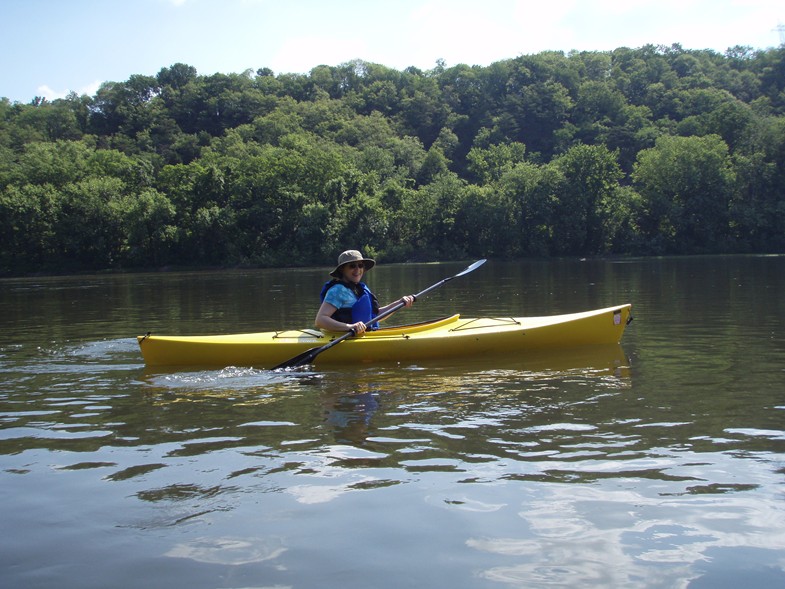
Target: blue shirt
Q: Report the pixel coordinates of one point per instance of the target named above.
(340, 297)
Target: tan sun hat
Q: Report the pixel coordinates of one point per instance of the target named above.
(351, 256)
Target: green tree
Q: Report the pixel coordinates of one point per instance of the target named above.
(602, 115)
(686, 185)
(530, 196)
(535, 115)
(89, 227)
(636, 150)
(438, 205)
(57, 163)
(28, 219)
(592, 176)
(758, 208)
(151, 235)
(491, 163)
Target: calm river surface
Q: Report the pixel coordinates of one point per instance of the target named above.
(659, 463)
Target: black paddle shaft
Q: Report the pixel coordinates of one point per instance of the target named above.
(308, 356)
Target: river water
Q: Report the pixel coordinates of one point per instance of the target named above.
(658, 463)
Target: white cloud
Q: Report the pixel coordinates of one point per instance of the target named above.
(463, 32)
(47, 92)
(302, 54)
(90, 89)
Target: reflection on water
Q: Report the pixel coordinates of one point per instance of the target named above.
(657, 463)
(229, 551)
(578, 532)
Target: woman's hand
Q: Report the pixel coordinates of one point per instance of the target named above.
(408, 300)
(358, 328)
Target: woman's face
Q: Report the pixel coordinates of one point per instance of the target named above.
(353, 271)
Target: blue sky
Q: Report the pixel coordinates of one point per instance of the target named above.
(51, 47)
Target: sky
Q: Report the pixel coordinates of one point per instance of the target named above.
(51, 47)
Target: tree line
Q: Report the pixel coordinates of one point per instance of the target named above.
(647, 151)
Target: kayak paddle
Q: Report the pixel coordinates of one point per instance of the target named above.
(308, 356)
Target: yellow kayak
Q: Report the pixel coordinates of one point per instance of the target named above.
(451, 337)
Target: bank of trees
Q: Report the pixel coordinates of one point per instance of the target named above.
(654, 150)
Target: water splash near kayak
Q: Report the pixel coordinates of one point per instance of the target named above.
(232, 380)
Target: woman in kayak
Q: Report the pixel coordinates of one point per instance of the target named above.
(347, 303)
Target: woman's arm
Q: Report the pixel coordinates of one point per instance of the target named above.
(324, 320)
(407, 301)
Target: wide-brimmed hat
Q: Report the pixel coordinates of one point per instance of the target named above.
(351, 256)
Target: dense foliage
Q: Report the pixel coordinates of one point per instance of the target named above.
(634, 151)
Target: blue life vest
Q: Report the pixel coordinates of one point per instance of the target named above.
(365, 308)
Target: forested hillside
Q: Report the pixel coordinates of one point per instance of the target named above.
(641, 151)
